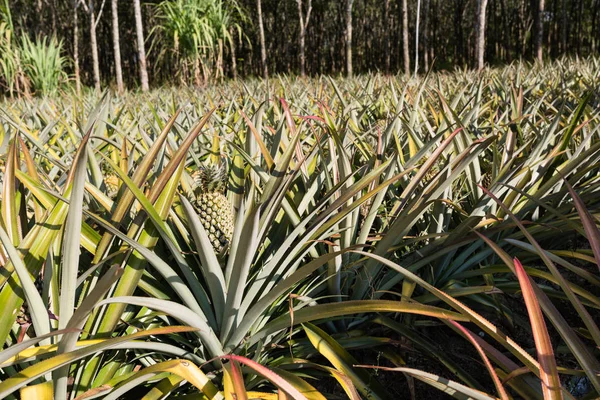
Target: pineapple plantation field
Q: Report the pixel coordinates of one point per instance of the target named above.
(374, 237)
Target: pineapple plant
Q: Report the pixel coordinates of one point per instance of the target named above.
(239, 309)
(214, 209)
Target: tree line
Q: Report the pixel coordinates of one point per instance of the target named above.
(138, 43)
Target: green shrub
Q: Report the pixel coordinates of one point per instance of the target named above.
(43, 64)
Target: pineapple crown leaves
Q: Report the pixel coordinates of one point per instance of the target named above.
(106, 168)
(210, 178)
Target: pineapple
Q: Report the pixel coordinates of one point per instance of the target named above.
(23, 318)
(486, 178)
(111, 181)
(215, 210)
(432, 171)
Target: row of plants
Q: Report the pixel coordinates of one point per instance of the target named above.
(306, 239)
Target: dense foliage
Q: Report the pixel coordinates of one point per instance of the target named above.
(376, 221)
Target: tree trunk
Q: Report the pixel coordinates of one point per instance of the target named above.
(263, 48)
(417, 36)
(140, 45)
(303, 24)
(116, 46)
(301, 38)
(563, 26)
(39, 29)
(539, 31)
(219, 73)
(425, 35)
(349, 4)
(522, 30)
(386, 20)
(506, 25)
(53, 8)
(94, 45)
(579, 25)
(76, 50)
(480, 42)
(405, 37)
(433, 38)
(233, 56)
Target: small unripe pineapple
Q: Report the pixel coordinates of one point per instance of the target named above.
(111, 181)
(214, 209)
(486, 178)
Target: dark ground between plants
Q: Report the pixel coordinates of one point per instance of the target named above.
(398, 385)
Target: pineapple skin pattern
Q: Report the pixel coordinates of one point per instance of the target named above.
(111, 181)
(214, 209)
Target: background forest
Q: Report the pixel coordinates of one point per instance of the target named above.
(133, 43)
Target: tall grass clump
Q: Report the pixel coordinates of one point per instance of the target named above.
(444, 227)
(43, 64)
(10, 67)
(199, 32)
(27, 64)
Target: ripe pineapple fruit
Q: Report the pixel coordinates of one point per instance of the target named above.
(111, 181)
(215, 210)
